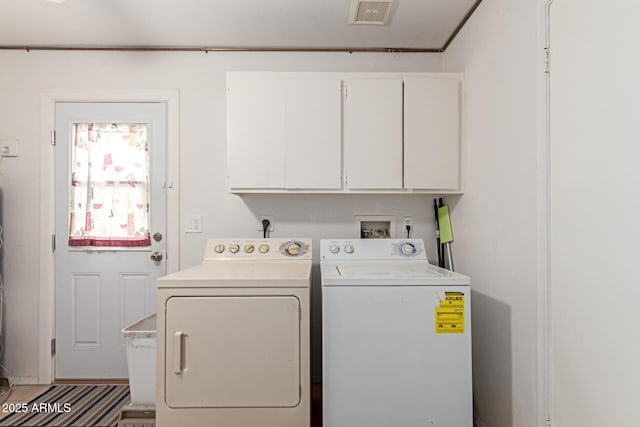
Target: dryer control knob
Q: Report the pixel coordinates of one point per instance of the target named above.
(334, 249)
(263, 248)
(234, 248)
(219, 248)
(293, 249)
(349, 248)
(408, 249)
(249, 248)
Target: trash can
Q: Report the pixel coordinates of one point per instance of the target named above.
(140, 340)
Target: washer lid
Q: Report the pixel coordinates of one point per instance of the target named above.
(378, 270)
(389, 273)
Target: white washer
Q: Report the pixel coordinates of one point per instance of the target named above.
(233, 337)
(396, 337)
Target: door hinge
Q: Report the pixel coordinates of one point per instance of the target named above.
(547, 59)
(53, 347)
(53, 243)
(53, 137)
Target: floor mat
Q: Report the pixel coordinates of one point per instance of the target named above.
(69, 406)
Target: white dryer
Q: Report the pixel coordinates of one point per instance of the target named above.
(396, 337)
(233, 337)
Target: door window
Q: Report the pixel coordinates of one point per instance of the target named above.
(109, 192)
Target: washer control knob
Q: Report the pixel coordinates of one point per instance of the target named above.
(219, 248)
(263, 248)
(334, 249)
(234, 248)
(348, 248)
(408, 249)
(293, 249)
(249, 248)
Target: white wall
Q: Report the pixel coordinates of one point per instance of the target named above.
(595, 212)
(497, 218)
(200, 78)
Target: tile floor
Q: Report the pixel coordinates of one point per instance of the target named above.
(24, 393)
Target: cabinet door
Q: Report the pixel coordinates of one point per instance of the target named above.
(431, 133)
(255, 131)
(313, 114)
(373, 133)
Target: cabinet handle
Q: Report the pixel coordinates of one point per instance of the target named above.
(177, 352)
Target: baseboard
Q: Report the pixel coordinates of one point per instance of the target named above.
(5, 389)
(477, 421)
(91, 381)
(24, 381)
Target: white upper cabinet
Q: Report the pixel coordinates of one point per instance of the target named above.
(283, 132)
(255, 132)
(343, 132)
(431, 133)
(313, 133)
(373, 134)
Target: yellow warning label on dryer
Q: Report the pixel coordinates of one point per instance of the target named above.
(450, 314)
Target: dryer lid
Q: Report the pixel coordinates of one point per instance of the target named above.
(242, 274)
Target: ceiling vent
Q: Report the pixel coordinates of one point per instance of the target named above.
(370, 12)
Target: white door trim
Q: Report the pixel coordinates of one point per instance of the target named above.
(48, 101)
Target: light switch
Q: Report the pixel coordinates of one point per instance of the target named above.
(193, 224)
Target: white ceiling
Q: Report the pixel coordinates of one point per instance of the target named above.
(317, 24)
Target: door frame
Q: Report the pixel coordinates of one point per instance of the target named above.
(48, 100)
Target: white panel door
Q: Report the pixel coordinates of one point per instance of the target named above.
(431, 133)
(594, 151)
(98, 291)
(373, 133)
(232, 352)
(313, 132)
(255, 132)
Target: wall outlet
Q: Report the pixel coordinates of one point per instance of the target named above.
(407, 221)
(193, 223)
(267, 217)
(9, 147)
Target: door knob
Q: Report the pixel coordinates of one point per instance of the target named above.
(156, 256)
(157, 237)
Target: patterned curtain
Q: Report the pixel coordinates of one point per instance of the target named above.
(109, 194)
